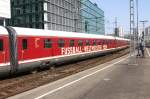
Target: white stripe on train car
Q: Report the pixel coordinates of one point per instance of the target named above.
(55, 57)
(4, 64)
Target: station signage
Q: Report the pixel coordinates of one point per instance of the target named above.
(5, 9)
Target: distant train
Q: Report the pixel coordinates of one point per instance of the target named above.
(24, 49)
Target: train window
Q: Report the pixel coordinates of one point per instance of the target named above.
(87, 42)
(1, 45)
(106, 42)
(94, 43)
(71, 43)
(24, 44)
(61, 43)
(80, 43)
(99, 42)
(47, 43)
(103, 42)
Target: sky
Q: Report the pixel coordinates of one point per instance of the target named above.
(120, 9)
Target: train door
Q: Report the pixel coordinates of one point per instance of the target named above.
(114, 46)
(2, 52)
(115, 43)
(24, 49)
(55, 46)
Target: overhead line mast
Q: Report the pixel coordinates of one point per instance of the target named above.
(132, 33)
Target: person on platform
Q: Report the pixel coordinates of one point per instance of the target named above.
(141, 46)
(138, 49)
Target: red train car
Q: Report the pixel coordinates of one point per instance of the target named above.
(4, 50)
(33, 48)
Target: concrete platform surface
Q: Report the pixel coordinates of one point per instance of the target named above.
(116, 79)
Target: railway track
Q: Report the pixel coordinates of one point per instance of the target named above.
(13, 86)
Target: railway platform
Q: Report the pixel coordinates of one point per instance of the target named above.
(116, 79)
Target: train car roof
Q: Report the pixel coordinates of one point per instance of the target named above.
(41, 32)
(3, 31)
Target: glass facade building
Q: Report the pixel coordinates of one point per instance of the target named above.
(27, 13)
(62, 15)
(92, 18)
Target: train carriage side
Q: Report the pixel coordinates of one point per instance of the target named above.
(4, 52)
(38, 48)
(122, 43)
(34, 51)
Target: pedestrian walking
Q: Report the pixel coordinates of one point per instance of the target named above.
(142, 48)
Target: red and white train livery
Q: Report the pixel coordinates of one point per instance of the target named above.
(26, 49)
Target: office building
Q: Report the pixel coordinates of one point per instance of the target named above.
(61, 15)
